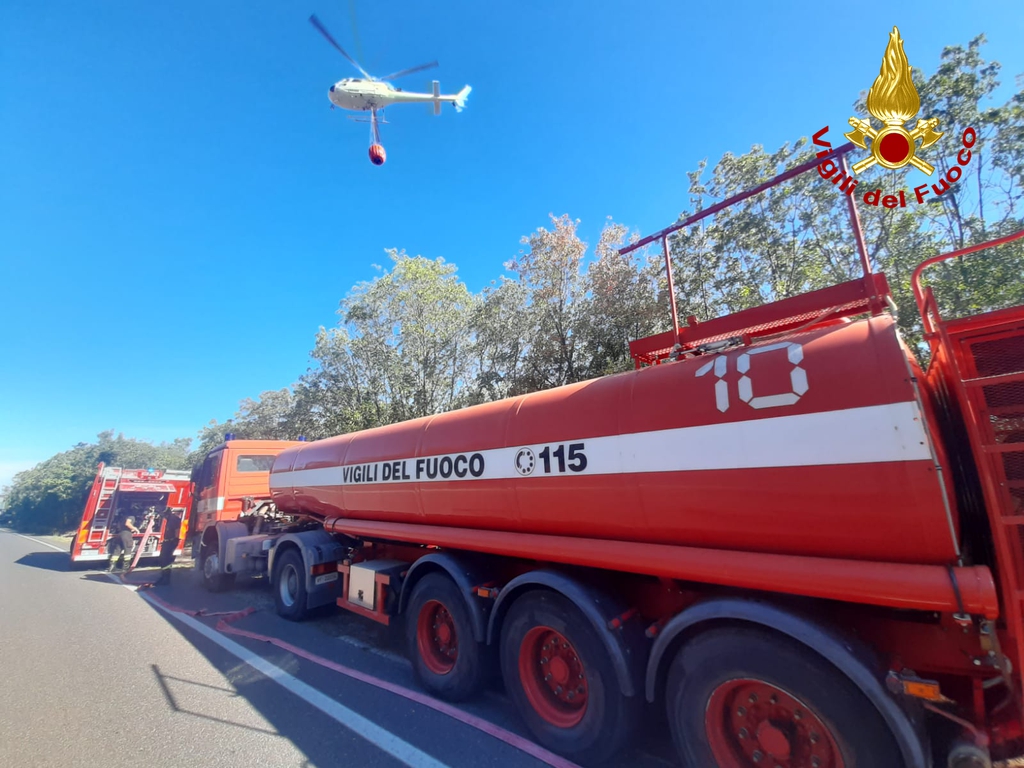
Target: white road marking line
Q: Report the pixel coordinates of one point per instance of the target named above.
(40, 541)
(361, 726)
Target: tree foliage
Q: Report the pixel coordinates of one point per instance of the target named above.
(797, 237)
(409, 337)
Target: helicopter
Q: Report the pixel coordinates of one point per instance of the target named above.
(372, 94)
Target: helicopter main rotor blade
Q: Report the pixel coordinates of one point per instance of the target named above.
(323, 31)
(404, 72)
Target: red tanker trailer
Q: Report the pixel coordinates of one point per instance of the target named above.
(779, 527)
(742, 450)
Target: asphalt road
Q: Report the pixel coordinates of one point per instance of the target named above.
(97, 674)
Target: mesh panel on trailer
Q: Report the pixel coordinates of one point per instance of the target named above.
(1004, 402)
(995, 364)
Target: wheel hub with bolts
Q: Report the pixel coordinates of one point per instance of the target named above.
(436, 637)
(211, 566)
(289, 585)
(752, 723)
(553, 677)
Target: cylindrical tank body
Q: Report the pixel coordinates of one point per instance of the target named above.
(811, 443)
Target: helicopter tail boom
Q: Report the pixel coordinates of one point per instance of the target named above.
(434, 98)
(459, 99)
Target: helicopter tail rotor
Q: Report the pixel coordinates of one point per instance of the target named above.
(460, 98)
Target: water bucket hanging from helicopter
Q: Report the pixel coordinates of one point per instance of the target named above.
(373, 94)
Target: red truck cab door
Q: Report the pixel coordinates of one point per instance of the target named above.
(208, 500)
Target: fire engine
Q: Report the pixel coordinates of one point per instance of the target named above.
(140, 493)
(804, 547)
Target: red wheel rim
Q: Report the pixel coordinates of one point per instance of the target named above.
(753, 724)
(436, 639)
(553, 677)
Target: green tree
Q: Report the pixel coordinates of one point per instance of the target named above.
(500, 325)
(332, 398)
(551, 274)
(402, 350)
(622, 301)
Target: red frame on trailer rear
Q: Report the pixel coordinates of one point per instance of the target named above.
(975, 378)
(978, 370)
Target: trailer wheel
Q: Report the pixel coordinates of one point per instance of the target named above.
(446, 659)
(561, 680)
(289, 585)
(741, 697)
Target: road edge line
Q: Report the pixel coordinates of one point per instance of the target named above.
(39, 541)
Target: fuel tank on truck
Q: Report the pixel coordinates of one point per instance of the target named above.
(811, 443)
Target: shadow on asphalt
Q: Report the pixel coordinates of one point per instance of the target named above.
(48, 561)
(163, 679)
(91, 571)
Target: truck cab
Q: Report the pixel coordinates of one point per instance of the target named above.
(231, 473)
(237, 529)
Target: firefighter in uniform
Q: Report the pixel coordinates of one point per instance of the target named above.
(172, 534)
(121, 542)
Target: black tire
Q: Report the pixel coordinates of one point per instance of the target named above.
(467, 675)
(213, 581)
(608, 718)
(716, 659)
(289, 585)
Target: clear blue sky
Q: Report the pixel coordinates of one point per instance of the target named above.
(180, 209)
